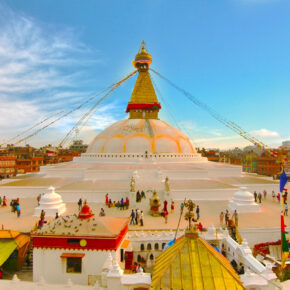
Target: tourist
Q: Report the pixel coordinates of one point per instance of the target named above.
(273, 195)
(4, 201)
(1, 273)
(181, 207)
(260, 197)
(40, 223)
(38, 199)
(265, 194)
(143, 194)
(222, 215)
(110, 203)
(165, 205)
(200, 227)
(18, 210)
(102, 212)
(132, 221)
(42, 214)
(107, 199)
(141, 218)
(255, 195)
(165, 214)
(226, 217)
(235, 217)
(134, 270)
(0, 201)
(286, 208)
(137, 216)
(127, 203)
(241, 270)
(224, 251)
(138, 196)
(197, 212)
(56, 215)
(80, 204)
(278, 197)
(172, 206)
(122, 204)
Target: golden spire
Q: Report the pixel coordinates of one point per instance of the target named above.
(144, 103)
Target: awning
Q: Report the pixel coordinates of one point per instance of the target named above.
(72, 255)
(6, 249)
(125, 244)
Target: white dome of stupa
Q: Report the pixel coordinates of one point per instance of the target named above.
(140, 135)
(243, 201)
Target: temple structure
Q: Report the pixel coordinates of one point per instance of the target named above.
(143, 147)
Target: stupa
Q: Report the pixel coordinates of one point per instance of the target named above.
(144, 147)
(51, 203)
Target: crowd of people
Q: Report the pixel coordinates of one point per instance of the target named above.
(137, 217)
(122, 204)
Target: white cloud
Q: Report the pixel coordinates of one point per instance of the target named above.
(264, 133)
(41, 71)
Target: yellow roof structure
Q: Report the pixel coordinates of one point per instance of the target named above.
(191, 263)
(143, 91)
(7, 246)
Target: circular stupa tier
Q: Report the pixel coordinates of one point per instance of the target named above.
(139, 136)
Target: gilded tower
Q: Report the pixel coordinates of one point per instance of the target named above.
(144, 103)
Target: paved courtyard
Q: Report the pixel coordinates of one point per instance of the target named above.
(269, 216)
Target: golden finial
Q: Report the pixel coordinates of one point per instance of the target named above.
(142, 59)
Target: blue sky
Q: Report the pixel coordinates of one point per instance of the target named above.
(233, 55)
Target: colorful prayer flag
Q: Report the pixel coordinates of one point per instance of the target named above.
(283, 180)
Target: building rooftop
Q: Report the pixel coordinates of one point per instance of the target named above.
(191, 263)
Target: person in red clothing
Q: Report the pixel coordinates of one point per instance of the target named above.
(107, 199)
(165, 205)
(200, 227)
(172, 206)
(127, 203)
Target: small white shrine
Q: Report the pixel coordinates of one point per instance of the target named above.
(243, 201)
(51, 203)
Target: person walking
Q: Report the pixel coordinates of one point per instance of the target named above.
(165, 213)
(132, 216)
(255, 195)
(18, 210)
(260, 197)
(197, 212)
(273, 195)
(56, 215)
(141, 218)
(222, 215)
(286, 209)
(122, 204)
(265, 194)
(181, 207)
(80, 204)
(137, 216)
(4, 201)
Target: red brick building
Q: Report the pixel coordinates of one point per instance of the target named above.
(268, 166)
(7, 166)
(24, 165)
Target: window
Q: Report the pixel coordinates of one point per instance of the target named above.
(142, 248)
(163, 245)
(74, 265)
(156, 246)
(149, 247)
(151, 257)
(73, 241)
